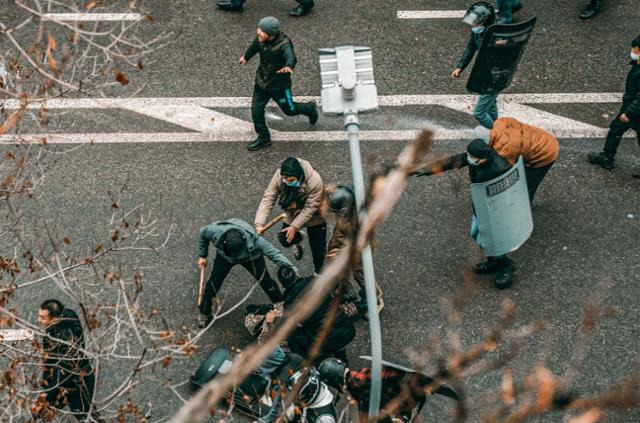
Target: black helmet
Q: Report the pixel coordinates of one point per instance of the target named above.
(235, 243)
(332, 371)
(342, 200)
(480, 13)
(310, 385)
(287, 276)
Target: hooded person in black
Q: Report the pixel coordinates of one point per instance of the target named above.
(628, 117)
(484, 165)
(273, 79)
(68, 377)
(340, 331)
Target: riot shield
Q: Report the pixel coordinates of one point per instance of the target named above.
(498, 57)
(503, 212)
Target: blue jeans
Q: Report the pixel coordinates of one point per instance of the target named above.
(505, 10)
(486, 110)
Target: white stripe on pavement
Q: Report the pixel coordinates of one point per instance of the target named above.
(77, 17)
(243, 102)
(195, 114)
(430, 14)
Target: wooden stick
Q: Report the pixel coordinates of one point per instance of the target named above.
(201, 285)
(274, 221)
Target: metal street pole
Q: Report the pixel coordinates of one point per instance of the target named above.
(348, 87)
(352, 126)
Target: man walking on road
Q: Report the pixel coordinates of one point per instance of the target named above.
(273, 79)
(479, 16)
(628, 116)
(484, 165)
(236, 242)
(68, 378)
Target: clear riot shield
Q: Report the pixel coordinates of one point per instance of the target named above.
(498, 57)
(503, 212)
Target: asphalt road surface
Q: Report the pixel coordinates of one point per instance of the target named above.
(587, 220)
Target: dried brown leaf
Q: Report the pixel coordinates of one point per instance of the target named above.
(90, 5)
(52, 43)
(546, 388)
(121, 77)
(590, 416)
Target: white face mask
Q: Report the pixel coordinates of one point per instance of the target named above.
(634, 56)
(471, 161)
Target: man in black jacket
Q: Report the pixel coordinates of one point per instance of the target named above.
(273, 79)
(628, 116)
(479, 17)
(484, 165)
(68, 377)
(340, 331)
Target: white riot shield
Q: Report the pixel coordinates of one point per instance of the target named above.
(503, 212)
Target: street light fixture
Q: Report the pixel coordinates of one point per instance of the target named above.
(348, 88)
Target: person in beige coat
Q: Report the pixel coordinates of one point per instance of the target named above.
(297, 188)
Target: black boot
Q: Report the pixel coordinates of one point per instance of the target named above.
(490, 266)
(591, 10)
(313, 114)
(231, 5)
(259, 143)
(301, 10)
(601, 159)
(504, 279)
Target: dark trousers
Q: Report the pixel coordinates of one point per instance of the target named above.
(307, 4)
(284, 100)
(222, 267)
(616, 131)
(77, 393)
(534, 176)
(317, 243)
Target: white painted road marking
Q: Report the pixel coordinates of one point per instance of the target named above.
(431, 14)
(77, 17)
(195, 114)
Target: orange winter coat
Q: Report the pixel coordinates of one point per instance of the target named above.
(511, 138)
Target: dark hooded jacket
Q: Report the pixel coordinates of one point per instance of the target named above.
(631, 98)
(274, 55)
(63, 347)
(494, 167)
(342, 329)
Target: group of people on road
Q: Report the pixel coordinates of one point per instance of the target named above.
(308, 204)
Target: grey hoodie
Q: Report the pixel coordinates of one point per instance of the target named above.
(257, 246)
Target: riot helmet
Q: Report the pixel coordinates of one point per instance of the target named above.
(287, 276)
(342, 201)
(332, 371)
(480, 14)
(309, 382)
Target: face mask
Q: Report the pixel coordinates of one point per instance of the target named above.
(477, 29)
(294, 184)
(472, 162)
(634, 56)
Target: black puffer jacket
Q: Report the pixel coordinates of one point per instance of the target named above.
(64, 361)
(494, 167)
(274, 55)
(631, 98)
(342, 330)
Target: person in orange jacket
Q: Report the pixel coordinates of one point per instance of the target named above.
(511, 138)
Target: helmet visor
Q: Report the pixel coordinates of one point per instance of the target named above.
(472, 18)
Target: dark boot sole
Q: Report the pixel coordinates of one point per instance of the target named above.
(259, 147)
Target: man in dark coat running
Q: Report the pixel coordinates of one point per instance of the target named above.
(68, 378)
(629, 115)
(273, 79)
